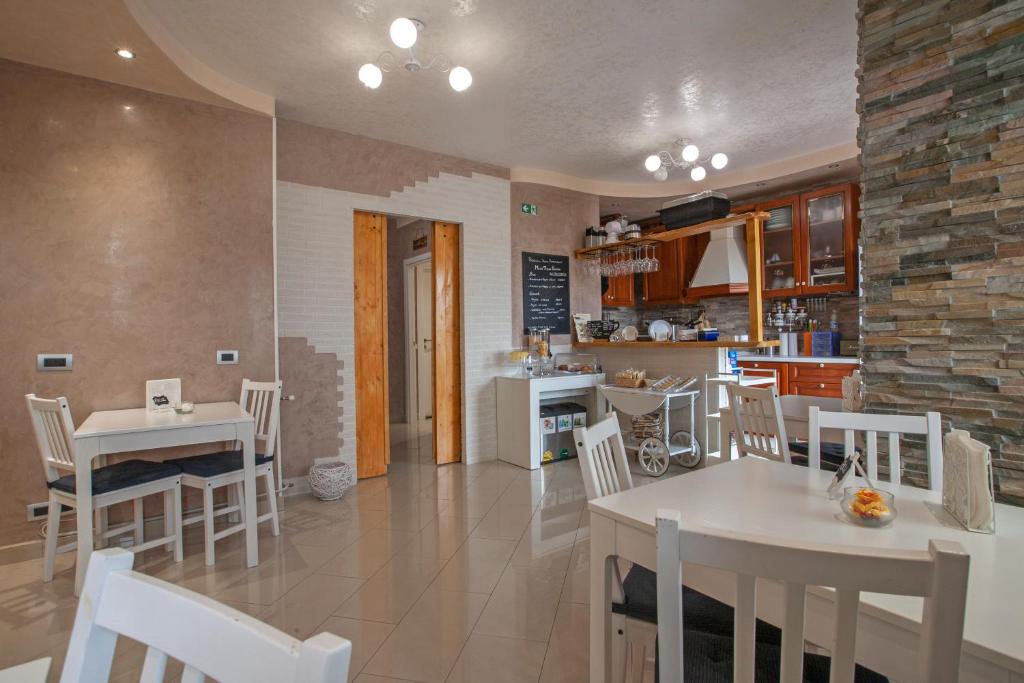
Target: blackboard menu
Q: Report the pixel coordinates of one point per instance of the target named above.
(546, 292)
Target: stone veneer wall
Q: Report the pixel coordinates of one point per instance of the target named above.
(942, 140)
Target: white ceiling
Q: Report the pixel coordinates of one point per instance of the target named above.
(580, 87)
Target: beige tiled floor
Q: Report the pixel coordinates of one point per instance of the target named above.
(453, 573)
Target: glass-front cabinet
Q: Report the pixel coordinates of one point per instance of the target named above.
(809, 242)
(780, 235)
(830, 240)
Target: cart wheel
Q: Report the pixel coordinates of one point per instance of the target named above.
(683, 439)
(653, 456)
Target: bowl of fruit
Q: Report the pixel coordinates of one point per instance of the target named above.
(868, 507)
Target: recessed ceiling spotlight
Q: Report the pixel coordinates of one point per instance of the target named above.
(124, 53)
(761, 184)
(835, 165)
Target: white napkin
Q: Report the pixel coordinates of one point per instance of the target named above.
(967, 481)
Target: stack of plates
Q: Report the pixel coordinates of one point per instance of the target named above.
(779, 220)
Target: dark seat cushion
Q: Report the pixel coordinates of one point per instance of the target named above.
(700, 612)
(120, 475)
(832, 454)
(707, 657)
(214, 464)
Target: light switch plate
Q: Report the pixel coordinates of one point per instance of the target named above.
(53, 362)
(227, 357)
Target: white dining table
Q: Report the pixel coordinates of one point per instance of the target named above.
(136, 429)
(756, 496)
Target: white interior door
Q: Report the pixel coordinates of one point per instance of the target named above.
(424, 320)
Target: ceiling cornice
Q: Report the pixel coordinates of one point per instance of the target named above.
(198, 71)
(668, 188)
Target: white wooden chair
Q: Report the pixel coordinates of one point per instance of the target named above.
(210, 639)
(929, 424)
(212, 471)
(129, 480)
(759, 426)
(938, 574)
(602, 457)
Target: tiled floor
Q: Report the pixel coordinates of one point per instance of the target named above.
(453, 573)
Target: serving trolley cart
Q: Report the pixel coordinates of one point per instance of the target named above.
(655, 451)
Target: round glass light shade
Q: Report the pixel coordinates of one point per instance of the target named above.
(371, 76)
(661, 174)
(652, 163)
(460, 78)
(697, 173)
(403, 32)
(719, 161)
(690, 153)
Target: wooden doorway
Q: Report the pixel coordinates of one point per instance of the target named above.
(370, 262)
(373, 444)
(447, 344)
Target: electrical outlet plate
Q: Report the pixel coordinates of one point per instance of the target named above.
(227, 357)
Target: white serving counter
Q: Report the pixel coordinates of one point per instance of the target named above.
(519, 403)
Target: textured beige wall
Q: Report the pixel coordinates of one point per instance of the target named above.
(136, 234)
(309, 423)
(562, 218)
(399, 249)
(323, 157)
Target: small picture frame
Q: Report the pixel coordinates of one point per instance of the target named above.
(163, 395)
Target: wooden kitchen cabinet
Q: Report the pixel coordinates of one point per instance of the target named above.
(620, 291)
(678, 261)
(809, 244)
(781, 371)
(805, 378)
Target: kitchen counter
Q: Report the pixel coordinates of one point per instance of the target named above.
(724, 344)
(797, 359)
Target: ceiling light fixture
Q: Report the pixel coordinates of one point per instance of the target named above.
(404, 32)
(689, 158)
(124, 53)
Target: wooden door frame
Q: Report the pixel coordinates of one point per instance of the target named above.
(448, 424)
(411, 376)
(370, 344)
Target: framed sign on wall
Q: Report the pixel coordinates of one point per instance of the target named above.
(546, 292)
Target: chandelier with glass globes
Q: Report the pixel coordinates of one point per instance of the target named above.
(404, 32)
(689, 157)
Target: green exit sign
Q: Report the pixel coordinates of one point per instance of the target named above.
(530, 209)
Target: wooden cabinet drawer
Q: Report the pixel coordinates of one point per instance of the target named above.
(824, 388)
(820, 371)
(763, 367)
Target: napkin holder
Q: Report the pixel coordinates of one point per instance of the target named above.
(967, 491)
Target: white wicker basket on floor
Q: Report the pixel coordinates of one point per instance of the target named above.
(328, 480)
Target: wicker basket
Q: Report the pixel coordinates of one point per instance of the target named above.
(329, 480)
(629, 381)
(651, 424)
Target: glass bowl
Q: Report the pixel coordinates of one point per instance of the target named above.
(868, 507)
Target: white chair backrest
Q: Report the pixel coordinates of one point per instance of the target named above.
(209, 638)
(262, 400)
(938, 574)
(757, 417)
(929, 424)
(603, 458)
(53, 427)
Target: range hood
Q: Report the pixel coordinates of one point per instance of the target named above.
(723, 268)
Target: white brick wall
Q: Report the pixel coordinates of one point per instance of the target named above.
(315, 292)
